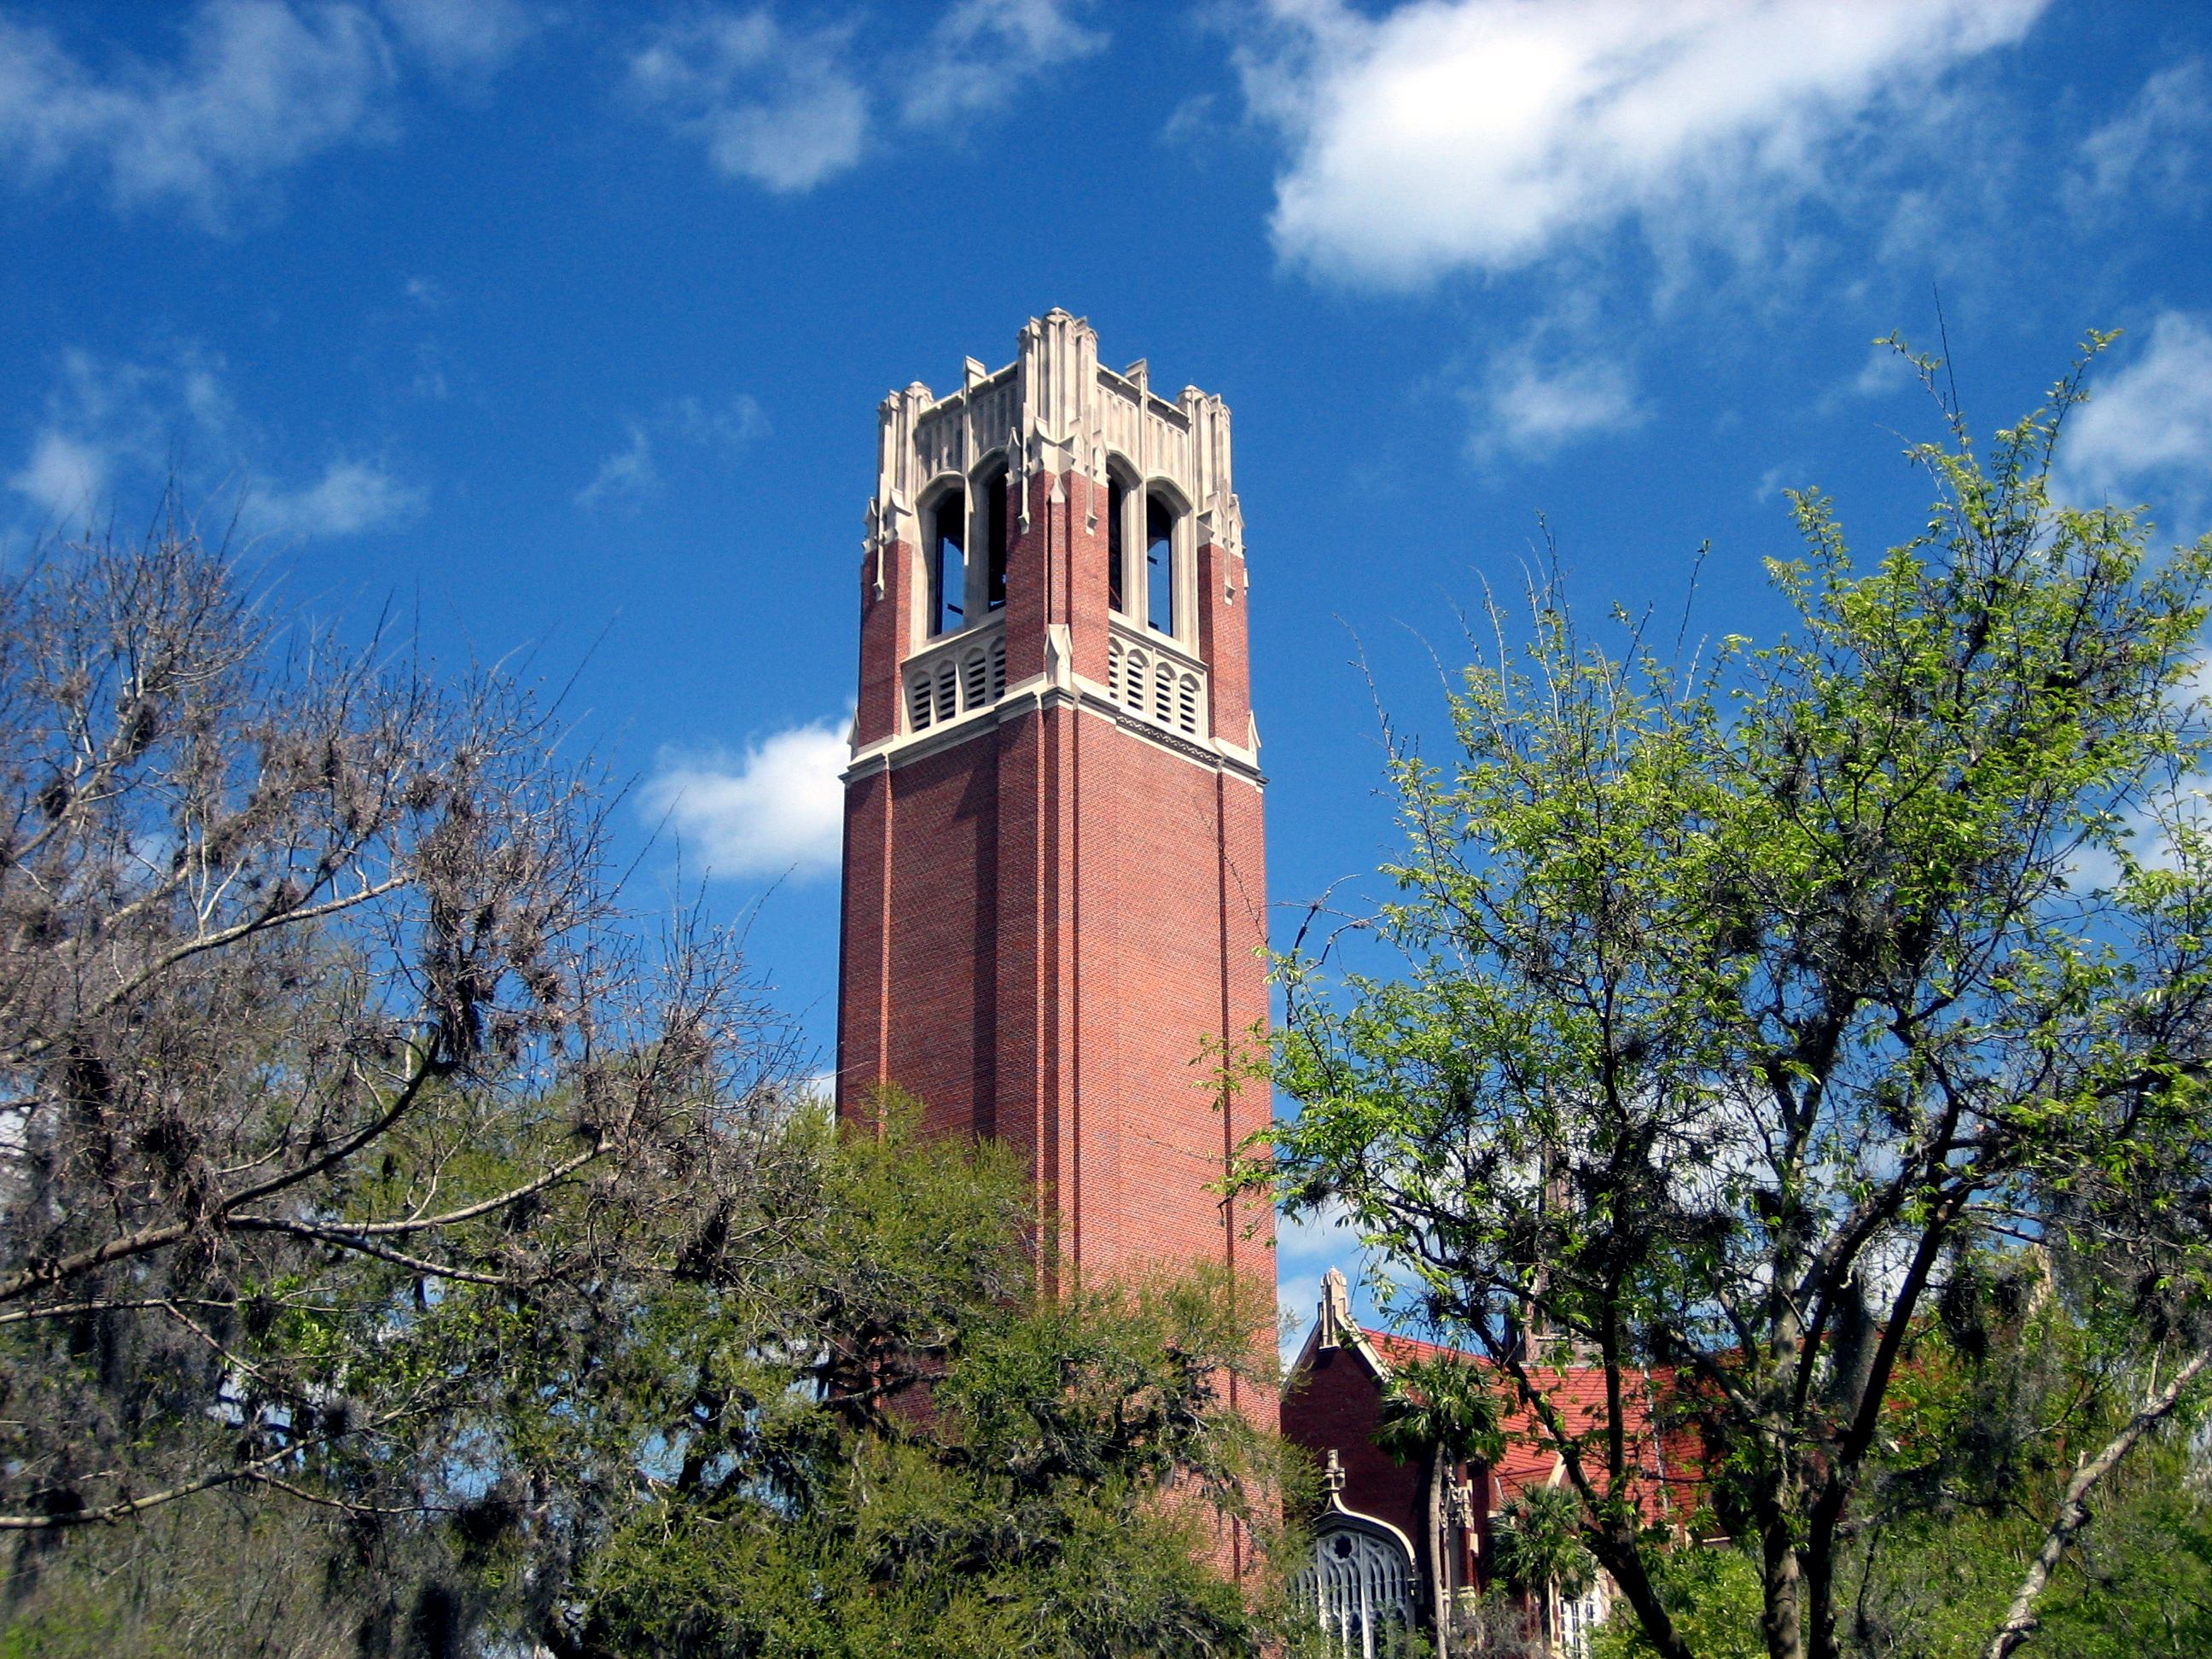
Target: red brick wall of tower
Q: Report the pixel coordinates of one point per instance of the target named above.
(1048, 919)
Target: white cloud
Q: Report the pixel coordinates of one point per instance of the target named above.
(628, 474)
(1530, 409)
(1885, 373)
(1488, 135)
(258, 86)
(108, 422)
(351, 496)
(789, 108)
(729, 429)
(981, 51)
(461, 37)
(777, 808)
(2148, 427)
(2160, 137)
(632, 473)
(778, 106)
(64, 475)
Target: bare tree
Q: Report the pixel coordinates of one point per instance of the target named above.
(315, 1003)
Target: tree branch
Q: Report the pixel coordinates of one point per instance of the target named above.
(2073, 1515)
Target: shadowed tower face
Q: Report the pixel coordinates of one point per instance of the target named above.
(1054, 896)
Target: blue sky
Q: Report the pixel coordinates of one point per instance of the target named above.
(563, 326)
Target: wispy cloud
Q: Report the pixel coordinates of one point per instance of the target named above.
(779, 106)
(778, 807)
(2158, 140)
(983, 52)
(351, 496)
(632, 474)
(110, 422)
(257, 87)
(788, 107)
(1530, 407)
(2147, 430)
(1488, 135)
(462, 37)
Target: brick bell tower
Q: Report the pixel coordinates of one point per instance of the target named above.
(1054, 869)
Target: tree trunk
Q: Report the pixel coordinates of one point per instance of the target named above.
(2074, 1510)
(1782, 1619)
(1439, 1567)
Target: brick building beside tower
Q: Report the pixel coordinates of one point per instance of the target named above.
(1054, 870)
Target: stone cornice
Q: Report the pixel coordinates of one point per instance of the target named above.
(1057, 411)
(1034, 695)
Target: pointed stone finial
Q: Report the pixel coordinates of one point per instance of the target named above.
(1335, 1317)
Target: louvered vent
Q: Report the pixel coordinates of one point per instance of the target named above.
(974, 680)
(948, 693)
(918, 702)
(998, 668)
(1186, 705)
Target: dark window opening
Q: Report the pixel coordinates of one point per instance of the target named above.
(1159, 564)
(994, 538)
(948, 563)
(1116, 499)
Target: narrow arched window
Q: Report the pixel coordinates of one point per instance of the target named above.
(948, 562)
(1159, 565)
(1117, 502)
(995, 530)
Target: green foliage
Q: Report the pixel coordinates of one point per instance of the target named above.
(828, 1411)
(960, 1465)
(1747, 1005)
(1538, 1544)
(1922, 1587)
(1445, 1403)
(1712, 1594)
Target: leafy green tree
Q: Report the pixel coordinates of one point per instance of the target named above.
(921, 1452)
(1742, 1004)
(1712, 1596)
(1538, 1546)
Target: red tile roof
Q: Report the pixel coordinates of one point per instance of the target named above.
(1663, 1459)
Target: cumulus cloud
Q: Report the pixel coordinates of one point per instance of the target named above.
(778, 807)
(2147, 429)
(631, 473)
(258, 86)
(107, 421)
(1487, 134)
(788, 107)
